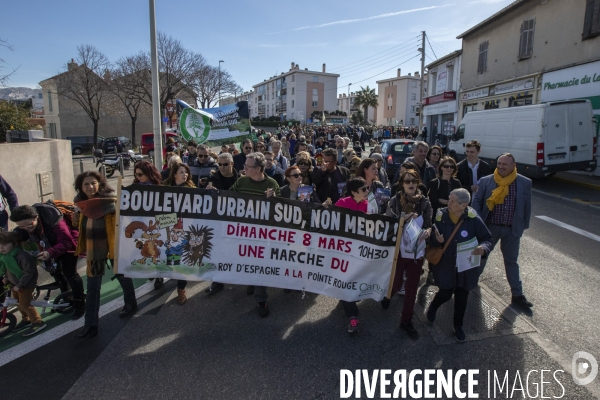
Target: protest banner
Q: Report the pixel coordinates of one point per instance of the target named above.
(237, 238)
(215, 126)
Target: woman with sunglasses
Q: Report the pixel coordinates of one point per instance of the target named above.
(181, 177)
(306, 164)
(367, 169)
(357, 201)
(410, 201)
(434, 155)
(441, 187)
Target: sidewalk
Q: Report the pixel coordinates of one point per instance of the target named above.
(588, 181)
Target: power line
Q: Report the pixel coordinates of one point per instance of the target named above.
(416, 37)
(440, 47)
(399, 56)
(348, 68)
(371, 77)
(427, 37)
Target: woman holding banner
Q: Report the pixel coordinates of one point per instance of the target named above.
(182, 177)
(357, 201)
(410, 201)
(95, 217)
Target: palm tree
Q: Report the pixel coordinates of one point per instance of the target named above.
(366, 98)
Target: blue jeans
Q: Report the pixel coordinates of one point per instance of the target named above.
(509, 246)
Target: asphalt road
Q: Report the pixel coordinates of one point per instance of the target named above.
(218, 348)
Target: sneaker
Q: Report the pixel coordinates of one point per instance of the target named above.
(385, 303)
(353, 325)
(402, 290)
(521, 301)
(21, 325)
(181, 297)
(158, 283)
(250, 290)
(34, 328)
(214, 288)
(410, 330)
(263, 309)
(431, 314)
(459, 334)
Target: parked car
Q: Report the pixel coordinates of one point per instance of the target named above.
(394, 152)
(147, 141)
(83, 144)
(121, 143)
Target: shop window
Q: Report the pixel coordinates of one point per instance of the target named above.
(526, 41)
(521, 101)
(491, 105)
(591, 21)
(483, 53)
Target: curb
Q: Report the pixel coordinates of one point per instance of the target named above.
(577, 183)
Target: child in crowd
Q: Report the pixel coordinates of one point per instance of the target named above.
(18, 267)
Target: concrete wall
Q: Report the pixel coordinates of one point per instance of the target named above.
(21, 161)
(557, 43)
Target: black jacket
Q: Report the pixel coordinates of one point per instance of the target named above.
(327, 183)
(465, 176)
(440, 189)
(216, 179)
(238, 161)
(6, 193)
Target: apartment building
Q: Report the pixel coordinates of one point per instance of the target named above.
(295, 94)
(346, 104)
(532, 52)
(440, 105)
(399, 100)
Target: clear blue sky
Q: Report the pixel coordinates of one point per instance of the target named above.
(256, 39)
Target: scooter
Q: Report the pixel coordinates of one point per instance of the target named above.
(135, 157)
(109, 165)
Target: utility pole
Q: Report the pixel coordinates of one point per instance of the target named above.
(422, 50)
(156, 122)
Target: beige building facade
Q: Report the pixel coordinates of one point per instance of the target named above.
(507, 57)
(346, 104)
(399, 100)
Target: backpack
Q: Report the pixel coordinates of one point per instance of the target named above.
(67, 209)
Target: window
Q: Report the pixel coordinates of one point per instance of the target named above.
(412, 108)
(482, 63)
(315, 103)
(267, 109)
(412, 121)
(526, 42)
(315, 78)
(40, 95)
(414, 84)
(292, 90)
(293, 78)
(591, 21)
(52, 130)
(292, 103)
(49, 101)
(413, 96)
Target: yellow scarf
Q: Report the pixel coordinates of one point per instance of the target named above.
(501, 191)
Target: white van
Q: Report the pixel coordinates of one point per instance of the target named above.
(543, 138)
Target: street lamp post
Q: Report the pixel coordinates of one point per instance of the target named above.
(220, 61)
(349, 102)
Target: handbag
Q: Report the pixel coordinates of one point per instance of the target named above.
(434, 254)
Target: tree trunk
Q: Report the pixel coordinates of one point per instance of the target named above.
(95, 121)
(366, 115)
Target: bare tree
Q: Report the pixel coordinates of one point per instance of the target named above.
(5, 76)
(206, 85)
(130, 77)
(177, 67)
(84, 83)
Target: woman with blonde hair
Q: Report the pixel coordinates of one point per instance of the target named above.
(305, 163)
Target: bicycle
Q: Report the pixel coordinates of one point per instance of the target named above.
(62, 304)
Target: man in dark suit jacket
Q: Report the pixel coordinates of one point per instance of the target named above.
(506, 216)
(472, 165)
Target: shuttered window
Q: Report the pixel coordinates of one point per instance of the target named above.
(483, 53)
(591, 22)
(526, 43)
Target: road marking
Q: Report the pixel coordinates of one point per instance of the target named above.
(570, 227)
(63, 329)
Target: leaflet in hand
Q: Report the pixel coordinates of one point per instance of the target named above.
(464, 259)
(413, 246)
(372, 206)
(382, 195)
(305, 192)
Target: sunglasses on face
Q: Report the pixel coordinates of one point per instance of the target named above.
(435, 154)
(247, 148)
(410, 181)
(202, 155)
(364, 189)
(295, 175)
(139, 174)
(223, 164)
(304, 164)
(447, 166)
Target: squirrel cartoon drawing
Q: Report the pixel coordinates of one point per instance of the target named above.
(148, 243)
